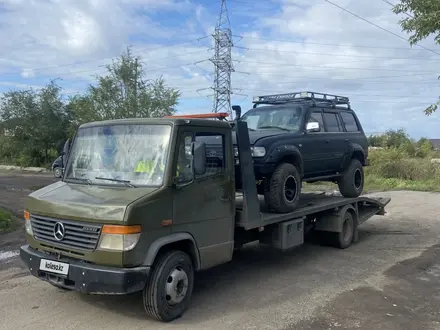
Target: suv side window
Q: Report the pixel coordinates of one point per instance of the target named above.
(349, 121)
(332, 122)
(184, 171)
(215, 153)
(317, 116)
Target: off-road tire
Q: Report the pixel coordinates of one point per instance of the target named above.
(351, 183)
(154, 293)
(275, 196)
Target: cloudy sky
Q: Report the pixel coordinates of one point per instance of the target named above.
(280, 46)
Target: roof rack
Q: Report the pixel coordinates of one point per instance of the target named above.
(218, 115)
(315, 97)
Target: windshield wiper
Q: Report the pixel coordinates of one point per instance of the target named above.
(83, 180)
(126, 182)
(277, 127)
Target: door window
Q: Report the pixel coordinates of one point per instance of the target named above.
(317, 116)
(215, 153)
(332, 122)
(349, 122)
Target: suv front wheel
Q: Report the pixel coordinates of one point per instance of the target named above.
(283, 190)
(351, 183)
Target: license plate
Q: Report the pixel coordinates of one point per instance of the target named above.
(54, 267)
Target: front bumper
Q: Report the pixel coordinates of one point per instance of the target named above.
(86, 277)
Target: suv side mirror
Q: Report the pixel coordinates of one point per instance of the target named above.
(199, 157)
(313, 126)
(237, 110)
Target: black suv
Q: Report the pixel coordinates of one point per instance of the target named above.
(304, 136)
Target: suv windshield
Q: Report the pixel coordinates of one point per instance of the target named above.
(274, 117)
(119, 154)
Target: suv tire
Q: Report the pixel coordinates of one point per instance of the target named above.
(283, 189)
(172, 271)
(57, 172)
(351, 183)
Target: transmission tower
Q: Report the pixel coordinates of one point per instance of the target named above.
(222, 61)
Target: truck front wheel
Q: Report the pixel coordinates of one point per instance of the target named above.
(168, 291)
(283, 189)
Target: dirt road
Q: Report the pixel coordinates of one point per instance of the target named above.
(389, 280)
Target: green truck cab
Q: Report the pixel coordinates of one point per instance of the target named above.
(143, 204)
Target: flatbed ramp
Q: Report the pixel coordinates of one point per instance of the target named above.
(310, 204)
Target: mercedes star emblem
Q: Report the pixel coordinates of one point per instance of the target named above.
(59, 231)
(211, 153)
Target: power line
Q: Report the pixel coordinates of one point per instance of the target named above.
(324, 44)
(389, 3)
(378, 26)
(336, 54)
(149, 50)
(324, 67)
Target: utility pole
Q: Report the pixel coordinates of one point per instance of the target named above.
(222, 61)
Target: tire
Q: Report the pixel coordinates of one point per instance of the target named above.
(57, 172)
(172, 265)
(277, 198)
(351, 184)
(344, 239)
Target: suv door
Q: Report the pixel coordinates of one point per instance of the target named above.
(354, 133)
(203, 205)
(336, 139)
(314, 149)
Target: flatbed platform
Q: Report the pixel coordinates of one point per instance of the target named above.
(309, 204)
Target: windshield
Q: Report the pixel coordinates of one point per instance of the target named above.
(274, 117)
(119, 154)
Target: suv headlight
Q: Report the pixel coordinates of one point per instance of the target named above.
(255, 151)
(119, 238)
(258, 151)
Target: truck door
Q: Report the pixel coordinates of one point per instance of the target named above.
(204, 204)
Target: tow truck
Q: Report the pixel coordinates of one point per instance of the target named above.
(118, 235)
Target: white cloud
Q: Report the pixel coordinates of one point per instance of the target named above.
(286, 46)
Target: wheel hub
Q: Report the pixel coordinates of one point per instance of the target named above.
(357, 178)
(176, 286)
(290, 189)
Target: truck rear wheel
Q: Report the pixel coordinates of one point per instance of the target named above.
(343, 239)
(351, 183)
(168, 291)
(284, 189)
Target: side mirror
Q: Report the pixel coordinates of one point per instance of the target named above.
(313, 126)
(65, 153)
(199, 157)
(237, 110)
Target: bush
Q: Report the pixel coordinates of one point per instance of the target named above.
(396, 163)
(6, 221)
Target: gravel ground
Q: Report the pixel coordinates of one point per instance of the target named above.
(389, 280)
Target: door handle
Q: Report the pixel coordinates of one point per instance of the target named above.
(327, 141)
(346, 140)
(225, 199)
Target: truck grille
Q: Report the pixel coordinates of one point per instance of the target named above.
(68, 234)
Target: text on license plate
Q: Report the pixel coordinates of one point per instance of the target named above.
(54, 267)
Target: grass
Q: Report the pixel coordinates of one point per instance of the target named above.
(8, 222)
(394, 169)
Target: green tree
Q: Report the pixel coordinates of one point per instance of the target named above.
(124, 92)
(36, 122)
(422, 20)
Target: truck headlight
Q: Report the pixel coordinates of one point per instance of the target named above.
(258, 151)
(235, 152)
(119, 238)
(27, 223)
